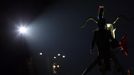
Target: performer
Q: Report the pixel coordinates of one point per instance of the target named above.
(104, 39)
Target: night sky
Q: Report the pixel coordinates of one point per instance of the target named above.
(55, 28)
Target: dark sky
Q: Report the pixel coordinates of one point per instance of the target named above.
(55, 28)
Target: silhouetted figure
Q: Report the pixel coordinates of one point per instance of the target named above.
(105, 43)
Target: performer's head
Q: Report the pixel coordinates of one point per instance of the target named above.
(101, 20)
(101, 12)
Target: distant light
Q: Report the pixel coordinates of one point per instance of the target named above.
(54, 66)
(63, 56)
(59, 54)
(22, 29)
(41, 53)
(58, 66)
(54, 57)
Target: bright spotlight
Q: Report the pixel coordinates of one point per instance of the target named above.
(22, 29)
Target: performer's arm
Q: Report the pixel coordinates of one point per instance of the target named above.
(114, 42)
